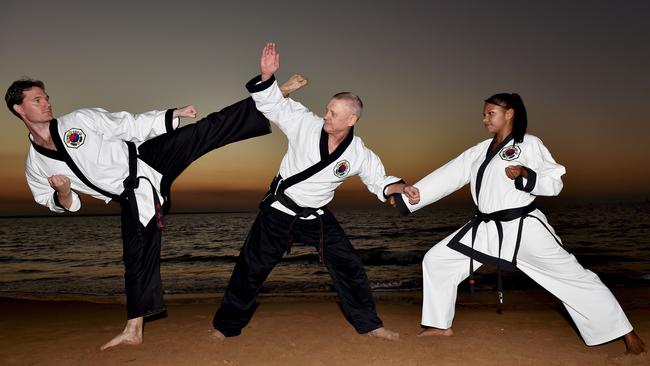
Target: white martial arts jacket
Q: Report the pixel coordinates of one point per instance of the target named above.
(308, 146)
(493, 192)
(94, 140)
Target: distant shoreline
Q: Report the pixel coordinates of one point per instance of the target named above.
(550, 202)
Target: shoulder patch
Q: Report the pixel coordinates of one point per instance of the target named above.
(74, 138)
(510, 152)
(342, 168)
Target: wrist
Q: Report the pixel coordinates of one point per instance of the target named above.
(64, 195)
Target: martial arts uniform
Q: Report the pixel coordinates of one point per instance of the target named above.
(294, 210)
(509, 232)
(133, 159)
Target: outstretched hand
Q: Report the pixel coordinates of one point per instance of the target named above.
(411, 192)
(187, 111)
(269, 62)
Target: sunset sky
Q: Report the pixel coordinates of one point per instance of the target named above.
(422, 68)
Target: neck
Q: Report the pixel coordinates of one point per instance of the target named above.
(335, 139)
(501, 135)
(41, 134)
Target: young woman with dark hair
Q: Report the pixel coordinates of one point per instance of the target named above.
(506, 174)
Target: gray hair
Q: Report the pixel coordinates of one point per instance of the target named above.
(354, 101)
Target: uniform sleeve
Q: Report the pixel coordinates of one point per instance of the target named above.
(373, 175)
(544, 174)
(289, 115)
(45, 195)
(444, 180)
(130, 127)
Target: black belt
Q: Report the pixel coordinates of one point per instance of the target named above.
(498, 217)
(276, 193)
(132, 182)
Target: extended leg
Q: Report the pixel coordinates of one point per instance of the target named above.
(349, 278)
(442, 270)
(263, 249)
(590, 304)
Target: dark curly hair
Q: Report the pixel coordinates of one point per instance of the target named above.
(15, 95)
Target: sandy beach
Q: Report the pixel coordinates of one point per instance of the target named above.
(311, 330)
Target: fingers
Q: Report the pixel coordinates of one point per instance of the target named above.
(513, 171)
(413, 194)
(58, 181)
(189, 111)
(392, 201)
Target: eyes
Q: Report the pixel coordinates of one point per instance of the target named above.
(41, 99)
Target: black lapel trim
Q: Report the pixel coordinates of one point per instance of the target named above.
(324, 150)
(254, 87)
(491, 153)
(324, 162)
(52, 154)
(54, 132)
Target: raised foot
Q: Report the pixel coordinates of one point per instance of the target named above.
(384, 333)
(426, 332)
(295, 82)
(634, 344)
(217, 335)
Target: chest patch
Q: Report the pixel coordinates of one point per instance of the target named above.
(74, 138)
(511, 152)
(342, 168)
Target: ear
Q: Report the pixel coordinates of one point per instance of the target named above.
(352, 120)
(18, 108)
(510, 113)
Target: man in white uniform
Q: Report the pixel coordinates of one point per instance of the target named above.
(131, 159)
(322, 153)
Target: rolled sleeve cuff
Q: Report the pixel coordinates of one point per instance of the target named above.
(530, 181)
(257, 85)
(390, 184)
(171, 123)
(74, 206)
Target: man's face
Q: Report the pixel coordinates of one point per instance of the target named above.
(36, 106)
(339, 116)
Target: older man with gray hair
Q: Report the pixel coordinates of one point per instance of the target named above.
(322, 153)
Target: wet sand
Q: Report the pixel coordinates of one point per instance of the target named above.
(311, 330)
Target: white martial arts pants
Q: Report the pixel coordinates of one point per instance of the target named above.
(592, 306)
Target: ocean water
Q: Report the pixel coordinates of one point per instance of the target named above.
(75, 255)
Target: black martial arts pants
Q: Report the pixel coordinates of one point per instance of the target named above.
(170, 154)
(263, 249)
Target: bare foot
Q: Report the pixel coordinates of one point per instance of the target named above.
(426, 332)
(295, 82)
(217, 335)
(132, 334)
(384, 333)
(633, 344)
